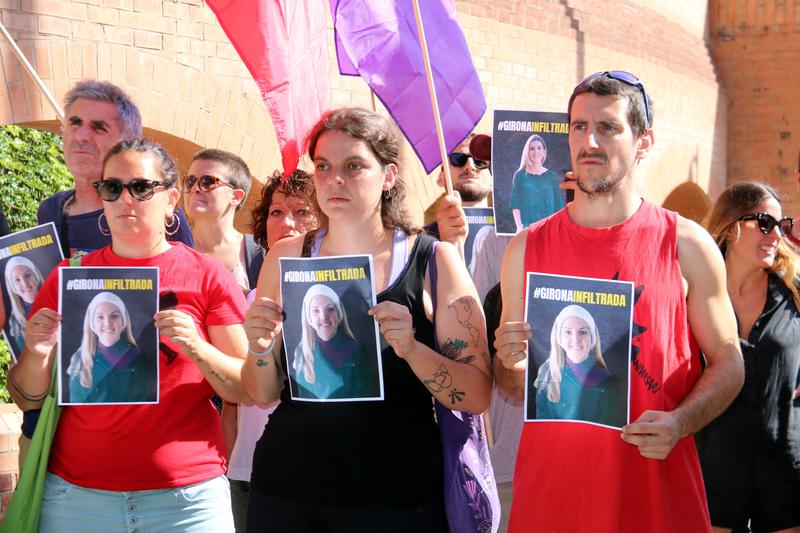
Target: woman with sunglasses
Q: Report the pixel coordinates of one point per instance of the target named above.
(536, 193)
(369, 465)
(151, 467)
(214, 191)
(750, 454)
(286, 209)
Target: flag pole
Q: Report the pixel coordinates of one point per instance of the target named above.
(448, 180)
(32, 73)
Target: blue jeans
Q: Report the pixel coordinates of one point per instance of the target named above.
(204, 507)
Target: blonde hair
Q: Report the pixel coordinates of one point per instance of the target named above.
(523, 164)
(82, 361)
(741, 199)
(308, 341)
(551, 378)
(17, 326)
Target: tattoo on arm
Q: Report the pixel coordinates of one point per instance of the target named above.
(217, 375)
(261, 362)
(463, 309)
(440, 380)
(453, 349)
(456, 395)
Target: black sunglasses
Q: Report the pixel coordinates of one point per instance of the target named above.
(111, 189)
(629, 79)
(205, 183)
(458, 160)
(766, 222)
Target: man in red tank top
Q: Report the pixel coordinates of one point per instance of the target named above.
(574, 476)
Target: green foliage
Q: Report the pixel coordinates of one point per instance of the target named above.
(5, 361)
(31, 169)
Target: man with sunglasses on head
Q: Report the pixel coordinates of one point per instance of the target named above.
(472, 183)
(98, 115)
(575, 476)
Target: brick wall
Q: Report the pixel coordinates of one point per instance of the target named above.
(756, 46)
(10, 423)
(174, 59)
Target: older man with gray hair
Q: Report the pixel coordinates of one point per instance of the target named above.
(98, 115)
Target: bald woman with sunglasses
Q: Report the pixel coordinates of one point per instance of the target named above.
(145, 465)
(750, 454)
(214, 190)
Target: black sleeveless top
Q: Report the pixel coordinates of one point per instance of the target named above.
(361, 455)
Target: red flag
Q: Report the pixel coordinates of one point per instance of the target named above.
(284, 44)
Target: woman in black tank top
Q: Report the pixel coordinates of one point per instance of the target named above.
(369, 465)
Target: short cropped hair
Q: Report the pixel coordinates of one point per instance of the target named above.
(130, 120)
(238, 172)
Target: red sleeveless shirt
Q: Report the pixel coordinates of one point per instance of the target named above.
(579, 477)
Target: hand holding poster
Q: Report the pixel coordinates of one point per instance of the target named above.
(108, 345)
(332, 345)
(579, 354)
(26, 258)
(530, 156)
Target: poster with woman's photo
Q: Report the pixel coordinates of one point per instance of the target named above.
(332, 345)
(26, 258)
(108, 344)
(480, 221)
(530, 156)
(579, 357)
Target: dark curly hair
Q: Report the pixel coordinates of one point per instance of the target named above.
(299, 184)
(384, 141)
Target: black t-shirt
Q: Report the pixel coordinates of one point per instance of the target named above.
(764, 419)
(361, 455)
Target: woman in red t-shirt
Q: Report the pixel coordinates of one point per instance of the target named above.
(152, 467)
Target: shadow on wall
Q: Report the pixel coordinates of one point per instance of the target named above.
(689, 200)
(580, 60)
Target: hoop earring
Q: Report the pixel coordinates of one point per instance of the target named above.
(174, 221)
(106, 232)
(387, 194)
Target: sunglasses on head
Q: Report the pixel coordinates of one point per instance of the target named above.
(766, 222)
(111, 189)
(206, 183)
(629, 79)
(459, 159)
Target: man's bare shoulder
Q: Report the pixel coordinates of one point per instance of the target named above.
(694, 239)
(698, 254)
(515, 251)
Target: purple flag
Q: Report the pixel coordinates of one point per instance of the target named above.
(377, 39)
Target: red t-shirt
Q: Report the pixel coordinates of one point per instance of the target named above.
(580, 477)
(178, 441)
